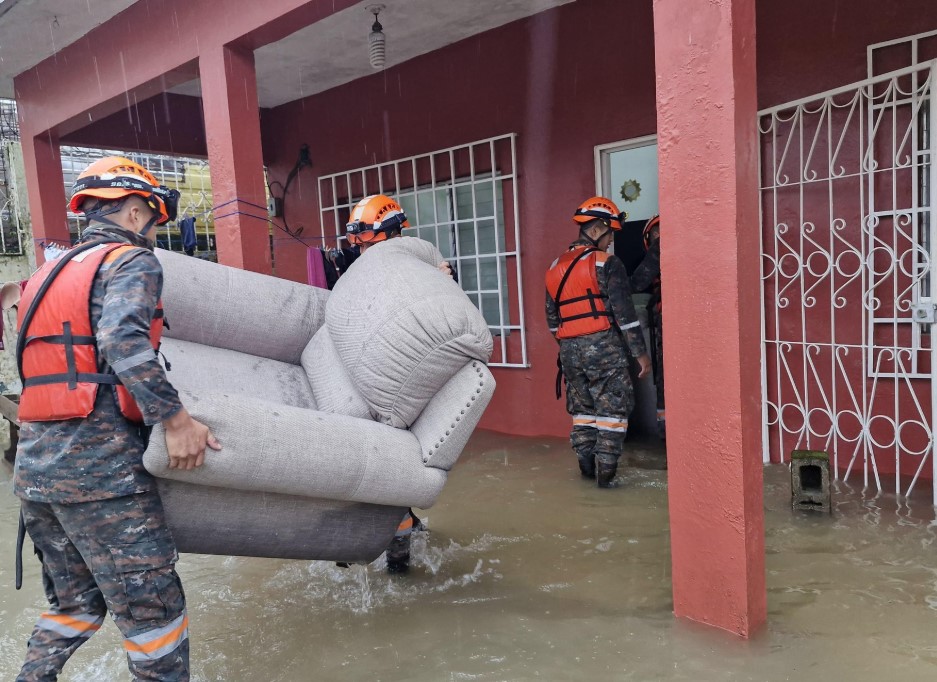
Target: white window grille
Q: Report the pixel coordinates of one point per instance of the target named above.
(463, 200)
(893, 55)
(189, 175)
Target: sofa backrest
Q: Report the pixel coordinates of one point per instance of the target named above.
(402, 329)
(224, 307)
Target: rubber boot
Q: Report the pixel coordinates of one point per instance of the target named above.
(587, 467)
(605, 472)
(398, 555)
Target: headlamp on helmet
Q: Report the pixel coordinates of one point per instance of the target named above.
(374, 218)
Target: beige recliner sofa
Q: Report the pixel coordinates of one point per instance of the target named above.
(336, 411)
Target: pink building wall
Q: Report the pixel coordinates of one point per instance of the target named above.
(533, 77)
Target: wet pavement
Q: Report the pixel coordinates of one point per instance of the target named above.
(529, 573)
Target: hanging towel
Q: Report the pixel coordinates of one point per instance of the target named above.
(315, 268)
(187, 230)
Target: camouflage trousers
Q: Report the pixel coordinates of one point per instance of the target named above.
(599, 395)
(117, 556)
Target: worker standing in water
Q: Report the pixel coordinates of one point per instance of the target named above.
(373, 220)
(646, 277)
(90, 323)
(591, 314)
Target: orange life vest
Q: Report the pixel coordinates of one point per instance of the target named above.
(573, 284)
(57, 351)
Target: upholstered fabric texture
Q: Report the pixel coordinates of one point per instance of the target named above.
(451, 416)
(335, 412)
(197, 368)
(223, 307)
(403, 328)
(207, 520)
(282, 449)
(332, 388)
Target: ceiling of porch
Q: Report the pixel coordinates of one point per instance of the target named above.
(335, 50)
(313, 59)
(32, 30)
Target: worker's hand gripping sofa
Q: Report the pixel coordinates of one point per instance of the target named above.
(335, 411)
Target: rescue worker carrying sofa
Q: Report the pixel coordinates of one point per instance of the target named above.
(90, 324)
(591, 314)
(373, 220)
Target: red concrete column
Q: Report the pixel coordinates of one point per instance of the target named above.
(706, 121)
(232, 134)
(42, 162)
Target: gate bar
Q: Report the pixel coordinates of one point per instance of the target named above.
(933, 260)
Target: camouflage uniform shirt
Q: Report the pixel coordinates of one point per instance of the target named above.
(616, 292)
(646, 276)
(101, 456)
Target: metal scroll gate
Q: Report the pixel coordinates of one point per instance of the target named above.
(848, 243)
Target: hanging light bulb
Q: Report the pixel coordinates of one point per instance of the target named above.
(377, 51)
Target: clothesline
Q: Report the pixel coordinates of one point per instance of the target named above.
(44, 242)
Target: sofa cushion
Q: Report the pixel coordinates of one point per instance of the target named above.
(224, 307)
(196, 368)
(402, 328)
(332, 388)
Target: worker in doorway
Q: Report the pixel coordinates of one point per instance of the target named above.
(591, 315)
(646, 277)
(373, 220)
(90, 323)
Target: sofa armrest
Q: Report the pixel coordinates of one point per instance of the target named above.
(444, 426)
(276, 448)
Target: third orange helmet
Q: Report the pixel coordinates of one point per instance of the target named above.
(602, 209)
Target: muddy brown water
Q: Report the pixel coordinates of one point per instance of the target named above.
(529, 573)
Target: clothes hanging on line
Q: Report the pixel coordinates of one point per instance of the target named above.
(187, 230)
(315, 268)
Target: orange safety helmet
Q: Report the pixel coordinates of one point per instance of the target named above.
(115, 177)
(373, 218)
(602, 209)
(651, 231)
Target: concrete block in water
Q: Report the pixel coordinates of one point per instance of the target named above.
(810, 480)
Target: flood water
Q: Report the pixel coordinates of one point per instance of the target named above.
(529, 573)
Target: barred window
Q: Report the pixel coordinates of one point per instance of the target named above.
(463, 200)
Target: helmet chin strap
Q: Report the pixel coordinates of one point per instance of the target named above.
(100, 216)
(149, 226)
(583, 232)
